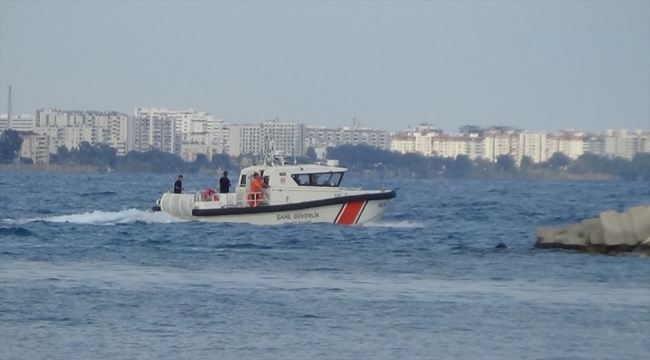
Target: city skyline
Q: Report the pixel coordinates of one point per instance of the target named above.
(534, 65)
(189, 133)
(354, 124)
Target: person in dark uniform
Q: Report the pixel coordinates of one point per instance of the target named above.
(224, 183)
(178, 185)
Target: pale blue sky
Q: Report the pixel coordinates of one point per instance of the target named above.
(538, 65)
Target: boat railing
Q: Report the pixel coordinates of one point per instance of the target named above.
(199, 196)
(205, 196)
(252, 199)
(316, 188)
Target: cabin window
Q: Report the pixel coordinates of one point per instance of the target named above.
(335, 179)
(318, 179)
(301, 179)
(242, 180)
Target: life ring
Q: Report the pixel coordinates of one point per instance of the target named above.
(207, 194)
(254, 200)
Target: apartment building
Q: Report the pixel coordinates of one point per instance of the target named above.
(35, 146)
(475, 146)
(219, 136)
(403, 143)
(189, 152)
(193, 128)
(155, 131)
(4, 122)
(497, 143)
(413, 141)
(423, 142)
(70, 128)
(568, 142)
(287, 136)
(625, 143)
(449, 146)
(320, 136)
(489, 144)
(23, 122)
(245, 139)
(532, 145)
(594, 144)
(434, 143)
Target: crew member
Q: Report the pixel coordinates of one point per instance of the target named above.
(178, 185)
(256, 188)
(224, 183)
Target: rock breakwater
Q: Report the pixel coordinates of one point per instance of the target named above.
(611, 233)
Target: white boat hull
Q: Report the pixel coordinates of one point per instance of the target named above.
(350, 210)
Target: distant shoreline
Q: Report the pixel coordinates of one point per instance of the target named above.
(53, 168)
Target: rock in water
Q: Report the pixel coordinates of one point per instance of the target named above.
(610, 233)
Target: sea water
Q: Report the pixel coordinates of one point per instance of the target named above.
(88, 272)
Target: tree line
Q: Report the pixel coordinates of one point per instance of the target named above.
(156, 161)
(360, 159)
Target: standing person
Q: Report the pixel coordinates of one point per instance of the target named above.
(256, 190)
(178, 185)
(224, 183)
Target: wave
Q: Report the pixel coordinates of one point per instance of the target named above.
(99, 217)
(15, 231)
(100, 193)
(246, 246)
(396, 224)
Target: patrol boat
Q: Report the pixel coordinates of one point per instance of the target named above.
(294, 194)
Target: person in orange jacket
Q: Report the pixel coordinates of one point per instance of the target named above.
(256, 188)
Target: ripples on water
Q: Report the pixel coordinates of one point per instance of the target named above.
(88, 272)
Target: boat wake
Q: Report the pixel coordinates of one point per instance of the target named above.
(98, 217)
(395, 224)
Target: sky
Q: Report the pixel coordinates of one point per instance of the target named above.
(536, 65)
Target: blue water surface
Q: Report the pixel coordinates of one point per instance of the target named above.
(87, 272)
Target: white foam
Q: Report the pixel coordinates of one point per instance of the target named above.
(395, 224)
(99, 217)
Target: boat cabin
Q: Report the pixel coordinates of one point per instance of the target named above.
(290, 183)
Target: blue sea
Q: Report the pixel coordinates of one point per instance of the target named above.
(88, 272)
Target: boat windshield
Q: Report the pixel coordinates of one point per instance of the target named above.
(318, 179)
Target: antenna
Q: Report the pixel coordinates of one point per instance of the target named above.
(354, 122)
(9, 110)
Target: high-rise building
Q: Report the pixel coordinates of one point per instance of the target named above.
(418, 140)
(497, 143)
(287, 136)
(449, 146)
(23, 122)
(35, 146)
(320, 136)
(403, 143)
(532, 145)
(193, 128)
(245, 139)
(70, 128)
(155, 131)
(567, 142)
(475, 146)
(423, 142)
(625, 143)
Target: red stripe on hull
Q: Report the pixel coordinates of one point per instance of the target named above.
(350, 212)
